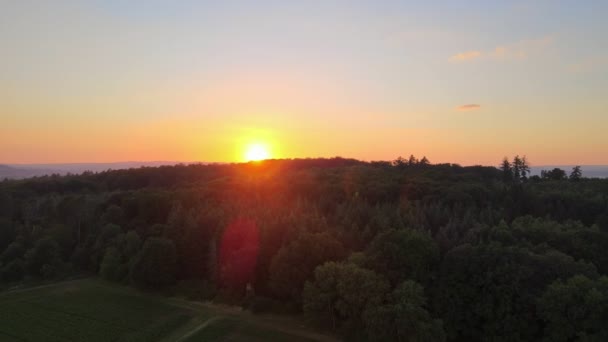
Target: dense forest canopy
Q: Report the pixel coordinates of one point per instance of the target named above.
(402, 250)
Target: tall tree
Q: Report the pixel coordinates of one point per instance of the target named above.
(412, 160)
(524, 168)
(507, 170)
(576, 173)
(517, 168)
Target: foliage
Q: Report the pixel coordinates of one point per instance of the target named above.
(575, 309)
(154, 266)
(403, 254)
(555, 174)
(110, 268)
(307, 252)
(404, 317)
(361, 246)
(341, 293)
(40, 259)
(485, 291)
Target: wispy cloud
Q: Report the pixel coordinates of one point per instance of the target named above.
(508, 52)
(465, 56)
(468, 107)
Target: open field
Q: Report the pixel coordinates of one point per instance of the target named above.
(91, 310)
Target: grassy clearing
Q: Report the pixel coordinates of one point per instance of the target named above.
(91, 310)
(86, 310)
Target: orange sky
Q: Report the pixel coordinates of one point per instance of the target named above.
(105, 81)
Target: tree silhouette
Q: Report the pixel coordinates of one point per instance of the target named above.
(555, 174)
(524, 168)
(412, 160)
(507, 170)
(576, 173)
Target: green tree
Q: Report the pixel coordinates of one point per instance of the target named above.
(341, 293)
(319, 296)
(13, 251)
(403, 317)
(45, 252)
(113, 215)
(13, 270)
(132, 245)
(575, 310)
(110, 268)
(485, 292)
(403, 254)
(154, 266)
(6, 205)
(64, 236)
(307, 251)
(108, 237)
(7, 233)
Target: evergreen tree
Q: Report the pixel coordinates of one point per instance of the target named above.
(576, 173)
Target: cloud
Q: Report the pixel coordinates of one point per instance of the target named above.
(508, 52)
(465, 56)
(468, 107)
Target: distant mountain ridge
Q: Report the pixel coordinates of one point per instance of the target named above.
(20, 171)
(12, 172)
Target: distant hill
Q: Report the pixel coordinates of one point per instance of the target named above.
(20, 171)
(12, 172)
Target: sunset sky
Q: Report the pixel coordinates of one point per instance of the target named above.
(462, 81)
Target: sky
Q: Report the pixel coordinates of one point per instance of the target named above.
(466, 82)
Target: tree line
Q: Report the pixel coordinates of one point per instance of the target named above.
(401, 250)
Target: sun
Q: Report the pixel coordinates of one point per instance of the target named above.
(256, 152)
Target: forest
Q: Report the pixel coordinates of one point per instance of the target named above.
(401, 250)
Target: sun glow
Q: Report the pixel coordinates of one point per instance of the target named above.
(256, 152)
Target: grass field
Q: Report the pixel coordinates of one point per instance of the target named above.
(91, 310)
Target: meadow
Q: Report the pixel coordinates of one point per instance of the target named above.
(93, 310)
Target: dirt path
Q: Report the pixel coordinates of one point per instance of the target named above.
(284, 324)
(197, 329)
